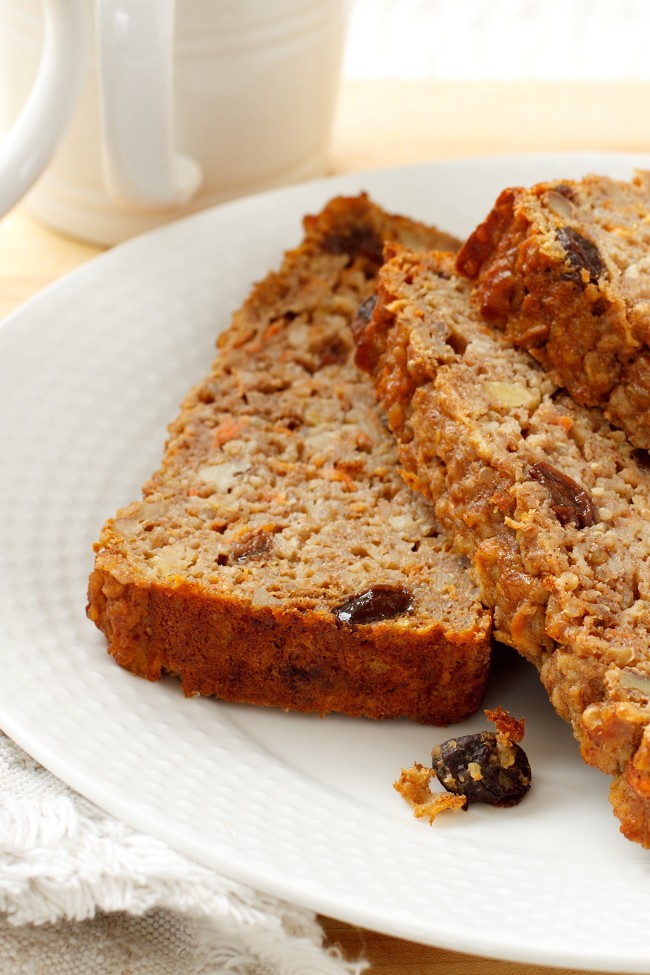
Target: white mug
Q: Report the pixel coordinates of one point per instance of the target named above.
(120, 115)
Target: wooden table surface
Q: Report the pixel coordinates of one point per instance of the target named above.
(382, 124)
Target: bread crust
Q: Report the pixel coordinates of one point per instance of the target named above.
(289, 659)
(278, 501)
(562, 268)
(549, 503)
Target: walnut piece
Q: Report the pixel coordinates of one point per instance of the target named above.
(511, 395)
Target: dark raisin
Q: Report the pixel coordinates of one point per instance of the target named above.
(298, 678)
(582, 254)
(255, 544)
(373, 605)
(570, 502)
(358, 241)
(565, 190)
(363, 315)
(333, 353)
(642, 457)
(483, 769)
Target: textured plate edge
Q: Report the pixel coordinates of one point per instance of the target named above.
(349, 182)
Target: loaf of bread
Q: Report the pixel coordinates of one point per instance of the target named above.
(564, 268)
(277, 556)
(549, 503)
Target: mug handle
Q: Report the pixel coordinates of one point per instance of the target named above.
(33, 138)
(135, 48)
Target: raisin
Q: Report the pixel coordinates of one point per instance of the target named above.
(255, 544)
(565, 190)
(482, 769)
(642, 457)
(582, 254)
(363, 315)
(333, 353)
(570, 502)
(299, 678)
(369, 341)
(357, 242)
(373, 605)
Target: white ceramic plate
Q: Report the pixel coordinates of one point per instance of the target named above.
(90, 373)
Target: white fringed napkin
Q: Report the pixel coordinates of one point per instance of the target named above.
(83, 894)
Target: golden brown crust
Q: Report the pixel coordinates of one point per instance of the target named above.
(278, 532)
(562, 267)
(285, 658)
(549, 503)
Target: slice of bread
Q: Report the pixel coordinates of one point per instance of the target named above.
(547, 500)
(277, 557)
(564, 267)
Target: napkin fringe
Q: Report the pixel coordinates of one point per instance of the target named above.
(63, 860)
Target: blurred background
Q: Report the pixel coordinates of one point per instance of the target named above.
(499, 39)
(425, 80)
(430, 79)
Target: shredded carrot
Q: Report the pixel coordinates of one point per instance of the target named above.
(558, 420)
(272, 330)
(333, 474)
(227, 430)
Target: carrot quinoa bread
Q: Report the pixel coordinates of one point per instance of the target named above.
(563, 268)
(277, 557)
(549, 502)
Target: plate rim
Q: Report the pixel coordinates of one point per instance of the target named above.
(163, 237)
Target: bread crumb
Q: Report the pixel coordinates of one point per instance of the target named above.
(414, 786)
